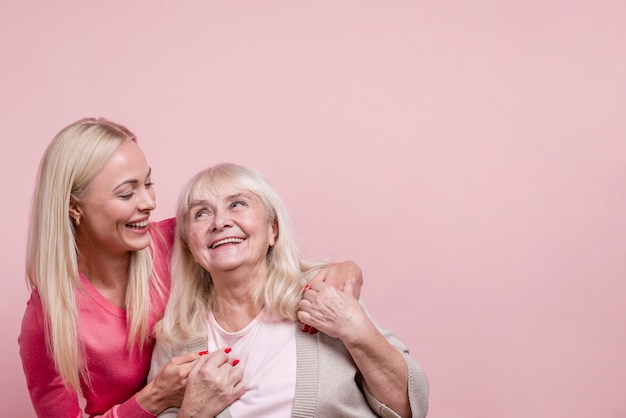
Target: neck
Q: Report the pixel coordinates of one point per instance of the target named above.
(233, 303)
(109, 275)
(234, 318)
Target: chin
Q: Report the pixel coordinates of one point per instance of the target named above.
(138, 245)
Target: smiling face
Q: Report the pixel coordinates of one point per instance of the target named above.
(230, 230)
(113, 216)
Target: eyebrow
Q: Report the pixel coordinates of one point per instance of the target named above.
(132, 181)
(201, 202)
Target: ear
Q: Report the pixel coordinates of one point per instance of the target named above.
(74, 210)
(274, 233)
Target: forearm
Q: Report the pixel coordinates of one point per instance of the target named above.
(383, 368)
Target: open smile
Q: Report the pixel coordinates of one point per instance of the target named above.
(137, 225)
(226, 241)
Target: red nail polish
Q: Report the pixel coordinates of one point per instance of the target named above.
(312, 330)
(202, 353)
(306, 288)
(227, 350)
(305, 327)
(235, 362)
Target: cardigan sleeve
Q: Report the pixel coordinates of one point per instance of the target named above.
(161, 354)
(418, 386)
(418, 393)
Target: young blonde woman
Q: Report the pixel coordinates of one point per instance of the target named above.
(98, 269)
(237, 295)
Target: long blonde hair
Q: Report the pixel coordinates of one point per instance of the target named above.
(191, 294)
(73, 158)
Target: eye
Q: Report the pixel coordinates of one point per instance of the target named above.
(127, 195)
(238, 203)
(148, 184)
(200, 215)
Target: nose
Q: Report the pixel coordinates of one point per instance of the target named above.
(221, 220)
(147, 200)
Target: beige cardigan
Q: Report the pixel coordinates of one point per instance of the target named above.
(328, 383)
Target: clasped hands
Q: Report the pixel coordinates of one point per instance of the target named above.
(331, 309)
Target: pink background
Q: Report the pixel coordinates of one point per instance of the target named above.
(470, 156)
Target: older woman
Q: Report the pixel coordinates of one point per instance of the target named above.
(238, 284)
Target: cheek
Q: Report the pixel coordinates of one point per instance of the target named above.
(194, 239)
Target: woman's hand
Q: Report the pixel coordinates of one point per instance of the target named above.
(335, 312)
(214, 382)
(345, 276)
(341, 275)
(168, 387)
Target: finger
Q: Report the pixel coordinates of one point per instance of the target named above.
(305, 305)
(217, 358)
(304, 317)
(316, 288)
(307, 294)
(239, 387)
(336, 274)
(186, 358)
(356, 281)
(236, 382)
(320, 276)
(348, 287)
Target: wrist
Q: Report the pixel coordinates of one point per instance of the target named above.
(359, 333)
(149, 400)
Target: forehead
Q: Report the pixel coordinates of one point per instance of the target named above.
(127, 155)
(126, 163)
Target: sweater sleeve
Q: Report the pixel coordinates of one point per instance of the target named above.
(49, 395)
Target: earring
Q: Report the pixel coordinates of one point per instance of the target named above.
(77, 220)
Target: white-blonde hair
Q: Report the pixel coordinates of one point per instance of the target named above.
(191, 293)
(71, 161)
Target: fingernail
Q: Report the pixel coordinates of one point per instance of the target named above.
(305, 327)
(306, 288)
(235, 362)
(202, 353)
(312, 330)
(227, 350)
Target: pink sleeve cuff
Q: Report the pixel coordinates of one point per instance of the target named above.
(131, 408)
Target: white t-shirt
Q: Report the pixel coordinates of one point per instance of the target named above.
(266, 349)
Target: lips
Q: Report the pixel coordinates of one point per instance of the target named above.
(231, 240)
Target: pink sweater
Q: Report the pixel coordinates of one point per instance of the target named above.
(116, 374)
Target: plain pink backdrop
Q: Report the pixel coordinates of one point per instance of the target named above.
(470, 156)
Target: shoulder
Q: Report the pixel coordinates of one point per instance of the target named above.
(34, 307)
(165, 229)
(162, 233)
(32, 330)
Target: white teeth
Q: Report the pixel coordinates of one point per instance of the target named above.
(138, 225)
(226, 241)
